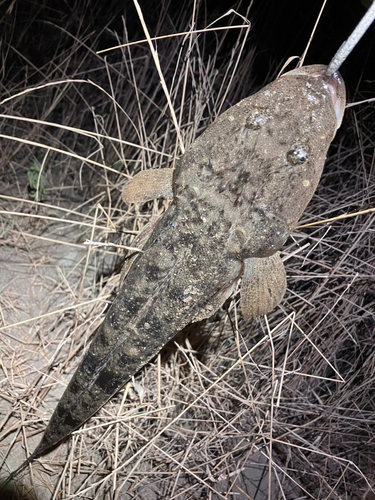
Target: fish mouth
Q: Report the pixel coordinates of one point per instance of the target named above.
(336, 88)
(334, 84)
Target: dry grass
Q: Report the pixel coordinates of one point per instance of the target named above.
(293, 391)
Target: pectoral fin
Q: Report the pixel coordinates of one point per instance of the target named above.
(263, 285)
(148, 185)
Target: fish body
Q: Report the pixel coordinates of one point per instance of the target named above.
(238, 192)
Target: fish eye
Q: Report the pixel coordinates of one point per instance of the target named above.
(297, 156)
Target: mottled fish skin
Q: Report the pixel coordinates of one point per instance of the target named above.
(239, 191)
(165, 290)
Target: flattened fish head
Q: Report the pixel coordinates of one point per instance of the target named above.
(260, 162)
(284, 132)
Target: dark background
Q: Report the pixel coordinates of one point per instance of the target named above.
(280, 28)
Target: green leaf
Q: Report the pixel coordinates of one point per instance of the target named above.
(36, 180)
